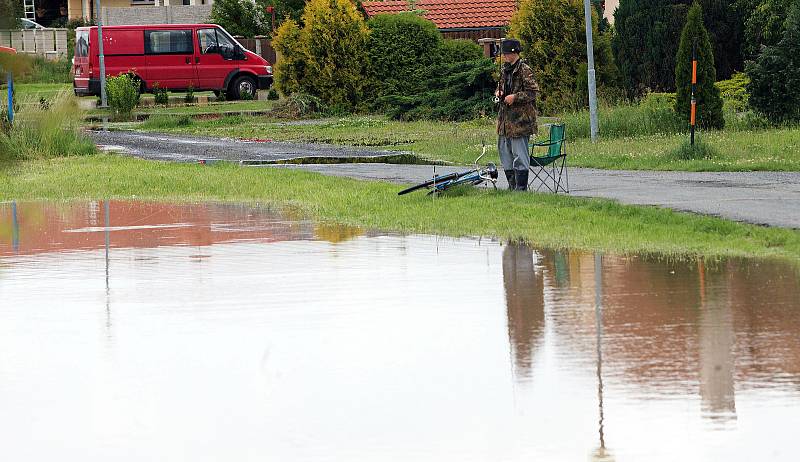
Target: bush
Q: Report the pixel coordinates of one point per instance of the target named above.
(290, 71)
(160, 94)
(247, 18)
(327, 58)
(774, 87)
(272, 95)
(334, 39)
(454, 51)
(709, 103)
(402, 48)
(454, 91)
(123, 93)
(40, 133)
(553, 40)
(734, 92)
(188, 98)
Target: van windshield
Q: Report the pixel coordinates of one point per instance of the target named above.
(81, 43)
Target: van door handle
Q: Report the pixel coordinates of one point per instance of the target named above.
(188, 60)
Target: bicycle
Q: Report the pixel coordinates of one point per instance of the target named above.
(475, 176)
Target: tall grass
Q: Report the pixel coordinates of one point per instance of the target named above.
(47, 71)
(654, 115)
(45, 130)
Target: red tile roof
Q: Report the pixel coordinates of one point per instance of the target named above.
(452, 14)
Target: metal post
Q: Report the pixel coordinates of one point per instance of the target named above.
(692, 118)
(14, 227)
(587, 10)
(103, 98)
(10, 98)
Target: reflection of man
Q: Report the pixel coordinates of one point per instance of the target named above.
(524, 302)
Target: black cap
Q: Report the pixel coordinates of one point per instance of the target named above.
(511, 46)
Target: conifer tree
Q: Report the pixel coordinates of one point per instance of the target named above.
(709, 102)
(774, 81)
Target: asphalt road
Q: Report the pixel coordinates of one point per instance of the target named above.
(765, 198)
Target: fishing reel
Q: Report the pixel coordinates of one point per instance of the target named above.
(491, 169)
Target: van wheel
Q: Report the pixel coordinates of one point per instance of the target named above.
(242, 85)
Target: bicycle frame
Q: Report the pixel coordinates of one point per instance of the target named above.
(475, 177)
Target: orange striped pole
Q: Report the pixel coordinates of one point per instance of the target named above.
(693, 117)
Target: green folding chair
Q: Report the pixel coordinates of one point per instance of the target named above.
(550, 170)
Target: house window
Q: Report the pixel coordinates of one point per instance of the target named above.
(162, 42)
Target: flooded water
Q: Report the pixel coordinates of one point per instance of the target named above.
(134, 331)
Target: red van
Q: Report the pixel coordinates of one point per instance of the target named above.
(175, 56)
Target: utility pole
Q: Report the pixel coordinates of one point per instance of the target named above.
(587, 10)
(692, 117)
(103, 97)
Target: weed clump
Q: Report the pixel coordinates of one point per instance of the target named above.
(299, 105)
(160, 94)
(42, 132)
(699, 151)
(165, 121)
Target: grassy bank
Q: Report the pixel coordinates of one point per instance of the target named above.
(775, 149)
(546, 220)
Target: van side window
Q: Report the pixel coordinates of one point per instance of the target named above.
(165, 42)
(213, 42)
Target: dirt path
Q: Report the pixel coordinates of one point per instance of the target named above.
(766, 198)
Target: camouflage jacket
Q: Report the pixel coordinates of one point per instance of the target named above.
(518, 119)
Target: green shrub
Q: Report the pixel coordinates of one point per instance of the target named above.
(290, 69)
(402, 48)
(272, 95)
(734, 92)
(328, 57)
(188, 98)
(123, 93)
(454, 91)
(240, 17)
(160, 94)
(552, 35)
(246, 96)
(334, 38)
(709, 103)
(774, 87)
(455, 51)
(40, 133)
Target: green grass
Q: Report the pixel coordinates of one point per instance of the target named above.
(545, 220)
(47, 71)
(775, 149)
(34, 91)
(195, 109)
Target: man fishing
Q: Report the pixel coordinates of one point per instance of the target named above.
(516, 118)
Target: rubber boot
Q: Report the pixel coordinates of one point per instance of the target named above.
(512, 182)
(521, 180)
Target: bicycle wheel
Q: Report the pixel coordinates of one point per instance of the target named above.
(438, 179)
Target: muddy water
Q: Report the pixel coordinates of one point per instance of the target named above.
(133, 331)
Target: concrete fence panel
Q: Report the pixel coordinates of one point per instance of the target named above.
(50, 43)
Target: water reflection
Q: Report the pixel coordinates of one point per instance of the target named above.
(524, 289)
(250, 334)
